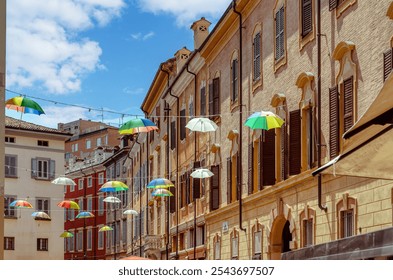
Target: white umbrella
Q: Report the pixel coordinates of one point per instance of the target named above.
(201, 125)
(202, 173)
(130, 212)
(63, 181)
(111, 199)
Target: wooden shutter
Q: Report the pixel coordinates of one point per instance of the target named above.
(284, 151)
(215, 188)
(332, 4)
(269, 158)
(257, 56)
(203, 101)
(387, 63)
(33, 168)
(260, 158)
(250, 168)
(306, 17)
(196, 183)
(277, 28)
(295, 142)
(280, 33)
(182, 124)
(229, 180)
(172, 201)
(238, 174)
(52, 169)
(334, 124)
(211, 104)
(348, 103)
(173, 135)
(216, 96)
(234, 80)
(188, 187)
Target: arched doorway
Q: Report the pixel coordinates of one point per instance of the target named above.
(280, 237)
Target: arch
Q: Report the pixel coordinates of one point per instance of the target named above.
(389, 13)
(342, 48)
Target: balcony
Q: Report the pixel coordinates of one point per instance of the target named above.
(152, 242)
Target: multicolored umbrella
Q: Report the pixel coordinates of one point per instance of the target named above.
(84, 215)
(105, 228)
(113, 186)
(112, 199)
(130, 212)
(24, 105)
(160, 183)
(66, 234)
(68, 204)
(264, 120)
(40, 215)
(201, 173)
(63, 181)
(202, 125)
(21, 204)
(137, 125)
(161, 192)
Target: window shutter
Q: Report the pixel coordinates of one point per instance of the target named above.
(348, 103)
(257, 56)
(250, 167)
(216, 96)
(277, 56)
(173, 135)
(215, 188)
(172, 202)
(282, 48)
(387, 63)
(211, 104)
(269, 159)
(188, 187)
(52, 169)
(295, 142)
(229, 181)
(234, 80)
(196, 183)
(260, 157)
(203, 101)
(238, 174)
(306, 17)
(33, 168)
(332, 4)
(334, 141)
(182, 124)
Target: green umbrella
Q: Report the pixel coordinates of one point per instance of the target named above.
(264, 120)
(24, 105)
(137, 125)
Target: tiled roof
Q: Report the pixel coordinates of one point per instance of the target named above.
(23, 125)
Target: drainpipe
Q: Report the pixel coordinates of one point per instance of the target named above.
(84, 220)
(322, 207)
(95, 180)
(147, 174)
(195, 143)
(167, 109)
(240, 181)
(132, 201)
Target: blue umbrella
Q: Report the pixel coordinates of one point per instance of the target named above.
(160, 183)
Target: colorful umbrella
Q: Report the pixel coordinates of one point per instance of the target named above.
(21, 204)
(105, 228)
(130, 212)
(113, 186)
(68, 204)
(202, 125)
(66, 234)
(160, 183)
(201, 173)
(112, 199)
(161, 192)
(63, 181)
(264, 120)
(40, 215)
(137, 125)
(24, 105)
(84, 215)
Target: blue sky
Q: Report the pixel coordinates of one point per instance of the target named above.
(94, 53)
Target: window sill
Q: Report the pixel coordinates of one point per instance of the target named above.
(343, 7)
(11, 217)
(280, 62)
(11, 177)
(304, 40)
(256, 84)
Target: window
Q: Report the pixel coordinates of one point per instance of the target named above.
(42, 169)
(203, 100)
(279, 34)
(173, 135)
(308, 232)
(257, 58)
(101, 178)
(80, 184)
(235, 245)
(100, 204)
(99, 142)
(214, 98)
(200, 235)
(215, 188)
(387, 63)
(43, 205)
(233, 172)
(307, 17)
(191, 108)
(88, 144)
(346, 216)
(11, 164)
(42, 244)
(9, 212)
(340, 5)
(100, 240)
(182, 124)
(158, 117)
(71, 242)
(79, 240)
(81, 206)
(295, 152)
(217, 247)
(9, 243)
(257, 244)
(42, 143)
(235, 80)
(89, 204)
(89, 238)
(9, 139)
(89, 181)
(267, 153)
(124, 232)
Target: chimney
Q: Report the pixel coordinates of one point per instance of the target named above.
(201, 31)
(181, 56)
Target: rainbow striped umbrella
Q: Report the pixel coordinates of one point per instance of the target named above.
(24, 105)
(264, 120)
(68, 204)
(160, 183)
(137, 125)
(113, 186)
(84, 215)
(21, 204)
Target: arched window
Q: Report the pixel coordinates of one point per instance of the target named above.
(346, 213)
(307, 227)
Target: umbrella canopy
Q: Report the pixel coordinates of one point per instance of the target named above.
(202, 125)
(130, 212)
(161, 192)
(24, 105)
(66, 234)
(113, 186)
(68, 204)
(21, 204)
(160, 183)
(84, 215)
(40, 215)
(137, 125)
(201, 173)
(105, 228)
(112, 199)
(264, 120)
(63, 181)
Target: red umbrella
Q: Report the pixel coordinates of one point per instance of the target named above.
(68, 204)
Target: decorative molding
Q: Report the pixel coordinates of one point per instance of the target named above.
(389, 13)
(342, 48)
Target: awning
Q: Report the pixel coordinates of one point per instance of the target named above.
(368, 144)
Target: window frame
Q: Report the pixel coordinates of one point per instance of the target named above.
(42, 244)
(43, 204)
(9, 240)
(8, 168)
(7, 209)
(280, 40)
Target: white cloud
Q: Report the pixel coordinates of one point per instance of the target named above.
(43, 44)
(186, 11)
(143, 37)
(133, 91)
